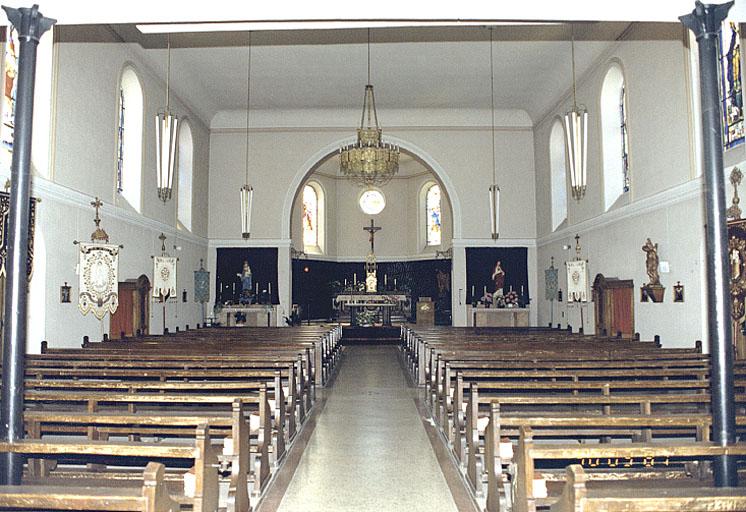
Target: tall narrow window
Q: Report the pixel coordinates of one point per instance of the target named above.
(10, 86)
(186, 170)
(623, 130)
(129, 139)
(614, 128)
(310, 217)
(730, 84)
(433, 215)
(558, 170)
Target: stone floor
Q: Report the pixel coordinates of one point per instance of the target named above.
(369, 450)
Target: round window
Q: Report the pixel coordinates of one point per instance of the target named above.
(372, 201)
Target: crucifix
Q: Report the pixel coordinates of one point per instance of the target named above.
(99, 235)
(372, 230)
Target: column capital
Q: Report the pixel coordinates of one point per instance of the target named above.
(705, 19)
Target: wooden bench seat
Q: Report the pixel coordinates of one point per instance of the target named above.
(151, 497)
(578, 496)
(202, 498)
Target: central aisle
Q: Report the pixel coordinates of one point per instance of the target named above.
(369, 450)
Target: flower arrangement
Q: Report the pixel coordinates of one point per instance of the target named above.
(511, 299)
(486, 299)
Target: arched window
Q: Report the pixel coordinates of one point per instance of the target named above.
(10, 86)
(129, 139)
(614, 132)
(312, 218)
(433, 218)
(730, 84)
(558, 170)
(186, 169)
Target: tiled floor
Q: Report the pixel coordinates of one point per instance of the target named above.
(369, 450)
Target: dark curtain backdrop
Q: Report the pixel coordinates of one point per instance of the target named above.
(480, 263)
(263, 263)
(315, 283)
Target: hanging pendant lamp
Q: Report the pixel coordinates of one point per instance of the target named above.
(166, 130)
(494, 189)
(576, 138)
(369, 161)
(247, 191)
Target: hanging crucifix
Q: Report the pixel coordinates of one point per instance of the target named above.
(372, 239)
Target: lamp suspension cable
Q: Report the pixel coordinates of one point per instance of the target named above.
(248, 106)
(168, 73)
(492, 106)
(572, 52)
(368, 56)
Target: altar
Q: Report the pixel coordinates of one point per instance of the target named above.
(253, 315)
(376, 304)
(497, 317)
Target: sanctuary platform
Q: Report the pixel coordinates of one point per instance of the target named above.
(374, 335)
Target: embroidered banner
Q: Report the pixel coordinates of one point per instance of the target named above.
(577, 281)
(201, 286)
(5, 233)
(99, 269)
(551, 284)
(164, 277)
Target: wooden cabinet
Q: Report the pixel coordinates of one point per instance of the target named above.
(614, 300)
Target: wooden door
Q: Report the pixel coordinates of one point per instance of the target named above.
(122, 321)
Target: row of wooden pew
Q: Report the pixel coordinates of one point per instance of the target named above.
(542, 418)
(197, 420)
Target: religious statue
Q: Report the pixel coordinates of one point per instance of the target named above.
(498, 276)
(653, 290)
(247, 282)
(651, 262)
(444, 282)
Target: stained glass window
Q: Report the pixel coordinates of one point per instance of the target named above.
(310, 217)
(433, 213)
(372, 202)
(623, 131)
(10, 73)
(120, 140)
(730, 79)
(130, 139)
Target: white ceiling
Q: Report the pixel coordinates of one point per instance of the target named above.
(529, 75)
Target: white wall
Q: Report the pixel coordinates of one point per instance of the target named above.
(77, 112)
(664, 202)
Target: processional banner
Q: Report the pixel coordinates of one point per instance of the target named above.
(577, 281)
(551, 277)
(164, 277)
(5, 233)
(99, 276)
(201, 286)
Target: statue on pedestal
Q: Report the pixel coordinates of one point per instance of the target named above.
(653, 289)
(498, 276)
(247, 281)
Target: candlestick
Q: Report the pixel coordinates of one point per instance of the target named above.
(345, 282)
(234, 287)
(354, 278)
(472, 290)
(385, 279)
(269, 287)
(257, 287)
(485, 291)
(521, 290)
(394, 283)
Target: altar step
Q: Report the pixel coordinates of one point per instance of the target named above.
(370, 335)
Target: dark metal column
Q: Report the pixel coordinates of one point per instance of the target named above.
(705, 21)
(30, 25)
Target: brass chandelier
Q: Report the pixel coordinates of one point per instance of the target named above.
(369, 161)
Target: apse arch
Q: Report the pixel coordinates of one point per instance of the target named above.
(322, 154)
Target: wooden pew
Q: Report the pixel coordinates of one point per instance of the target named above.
(527, 497)
(577, 497)
(203, 497)
(151, 497)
